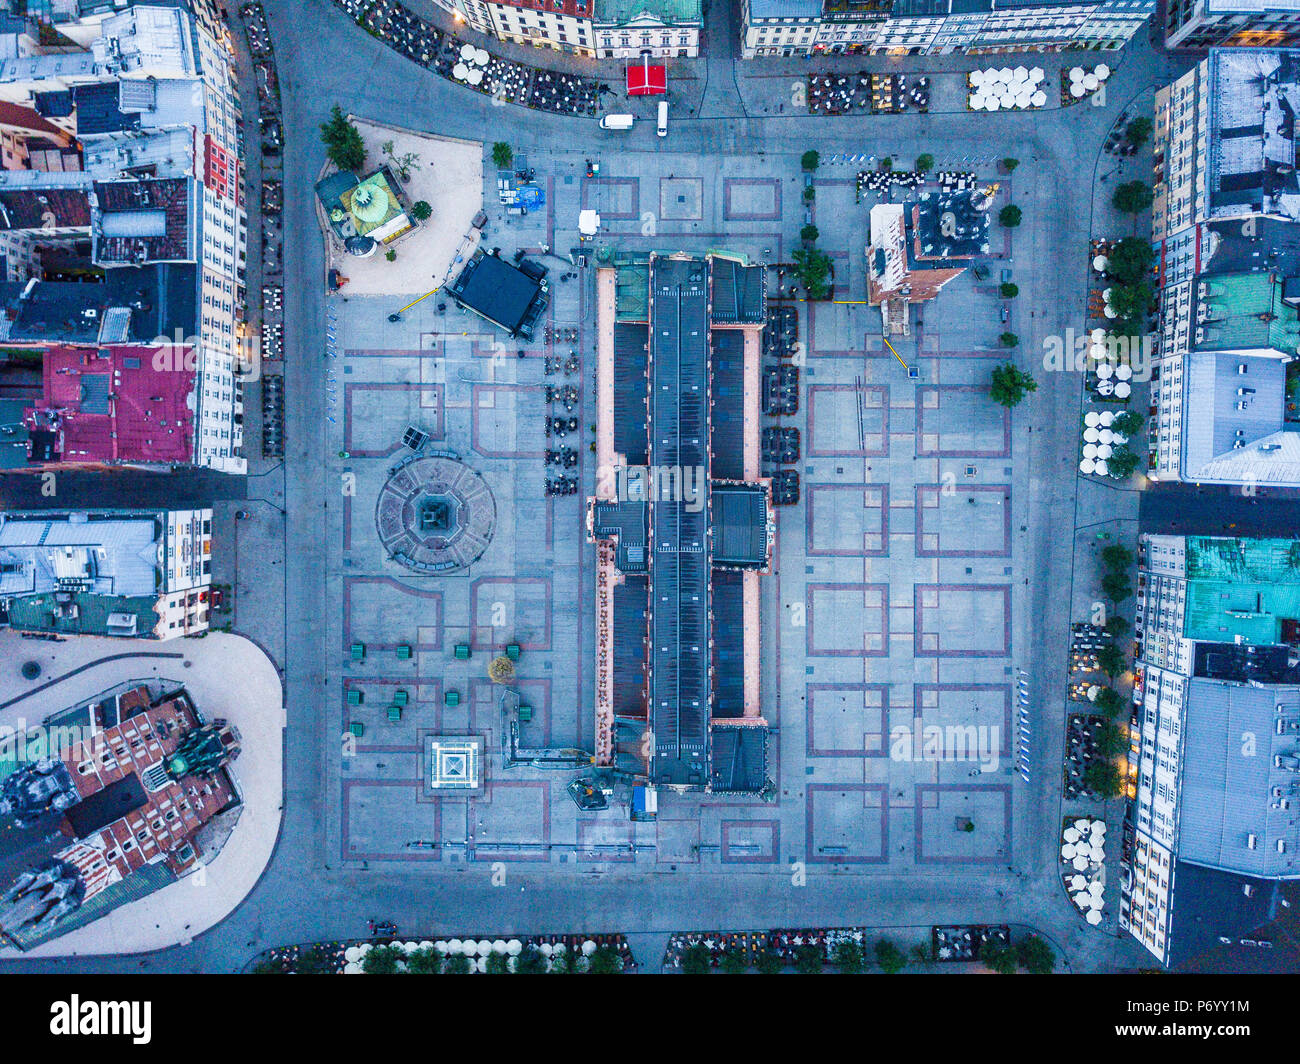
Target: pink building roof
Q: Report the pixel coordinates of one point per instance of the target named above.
(122, 403)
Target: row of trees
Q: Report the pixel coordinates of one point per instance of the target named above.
(848, 958)
(1102, 776)
(389, 960)
(1031, 953)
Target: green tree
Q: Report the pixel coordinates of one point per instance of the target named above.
(809, 194)
(1009, 216)
(1009, 290)
(427, 961)
(890, 958)
(769, 962)
(697, 960)
(1138, 132)
(342, 140)
(1036, 956)
(809, 160)
(1116, 626)
(420, 210)
(457, 964)
(813, 267)
(1001, 959)
(1102, 778)
(382, 960)
(497, 964)
(530, 961)
(923, 953)
(390, 255)
(809, 233)
(734, 962)
(1123, 462)
(1129, 423)
(315, 960)
(1117, 556)
(1133, 197)
(1010, 164)
(1009, 339)
(605, 961)
(1010, 385)
(1116, 586)
(1112, 660)
(1132, 304)
(847, 957)
(924, 163)
(1109, 701)
(502, 155)
(1111, 741)
(1130, 260)
(887, 163)
(808, 960)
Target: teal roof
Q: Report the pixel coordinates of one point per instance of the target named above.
(671, 12)
(35, 613)
(1246, 311)
(1241, 588)
(13, 434)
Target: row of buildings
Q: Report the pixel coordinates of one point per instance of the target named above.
(123, 237)
(1226, 230)
(1213, 822)
(622, 29)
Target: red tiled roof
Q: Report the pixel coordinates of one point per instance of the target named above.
(146, 417)
(19, 117)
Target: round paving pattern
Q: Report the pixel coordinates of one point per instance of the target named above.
(435, 514)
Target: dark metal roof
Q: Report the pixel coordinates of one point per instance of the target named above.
(499, 292)
(105, 806)
(628, 520)
(728, 645)
(739, 525)
(739, 758)
(680, 564)
(738, 295)
(727, 404)
(98, 110)
(631, 437)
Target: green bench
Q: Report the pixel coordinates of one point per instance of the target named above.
(403, 652)
(355, 697)
(357, 728)
(400, 697)
(525, 714)
(512, 651)
(358, 651)
(462, 652)
(394, 714)
(451, 698)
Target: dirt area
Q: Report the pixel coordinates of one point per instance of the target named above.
(448, 175)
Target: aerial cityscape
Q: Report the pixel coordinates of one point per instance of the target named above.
(650, 486)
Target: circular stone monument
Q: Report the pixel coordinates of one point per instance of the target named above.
(435, 514)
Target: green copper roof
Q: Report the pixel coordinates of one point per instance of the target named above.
(1246, 311)
(1241, 588)
(671, 12)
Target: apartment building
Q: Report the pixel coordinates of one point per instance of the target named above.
(1232, 24)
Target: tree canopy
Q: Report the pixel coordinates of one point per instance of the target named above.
(1009, 216)
(342, 141)
(1133, 197)
(1010, 385)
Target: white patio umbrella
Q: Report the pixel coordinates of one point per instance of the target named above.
(1102, 469)
(1102, 71)
(352, 953)
(546, 949)
(467, 52)
(480, 965)
(991, 104)
(1097, 335)
(1024, 99)
(1104, 450)
(1082, 823)
(1070, 834)
(1098, 828)
(1007, 100)
(1094, 903)
(426, 944)
(976, 77)
(1076, 73)
(365, 948)
(1039, 99)
(1091, 435)
(1005, 74)
(1123, 390)
(1067, 852)
(1021, 73)
(976, 103)
(1089, 451)
(1107, 417)
(1106, 435)
(1123, 371)
(1036, 74)
(1096, 888)
(588, 948)
(1099, 263)
(454, 946)
(1087, 467)
(353, 968)
(1078, 883)
(1076, 89)
(1092, 419)
(459, 71)
(1097, 352)
(469, 947)
(514, 947)
(1105, 387)
(482, 58)
(499, 945)
(1080, 863)
(1093, 917)
(1093, 692)
(484, 947)
(442, 946)
(1081, 899)
(1090, 82)
(475, 76)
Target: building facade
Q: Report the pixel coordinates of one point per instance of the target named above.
(1232, 24)
(936, 27)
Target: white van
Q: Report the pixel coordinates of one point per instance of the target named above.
(663, 118)
(617, 121)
